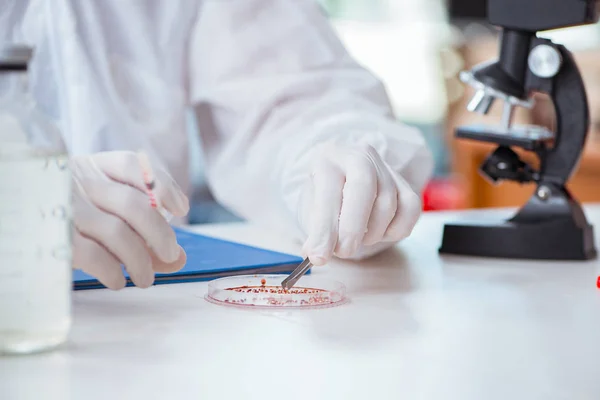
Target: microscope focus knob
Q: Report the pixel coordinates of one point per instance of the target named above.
(544, 61)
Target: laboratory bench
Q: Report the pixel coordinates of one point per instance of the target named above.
(418, 326)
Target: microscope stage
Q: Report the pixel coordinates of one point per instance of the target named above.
(528, 137)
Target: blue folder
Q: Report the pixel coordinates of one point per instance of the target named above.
(209, 258)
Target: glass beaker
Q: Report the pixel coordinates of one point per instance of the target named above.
(35, 217)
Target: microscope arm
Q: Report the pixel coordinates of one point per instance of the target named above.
(567, 91)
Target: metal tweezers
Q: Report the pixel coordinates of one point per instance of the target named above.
(298, 273)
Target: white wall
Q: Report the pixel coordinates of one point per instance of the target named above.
(403, 50)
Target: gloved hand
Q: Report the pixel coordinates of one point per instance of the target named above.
(354, 205)
(115, 224)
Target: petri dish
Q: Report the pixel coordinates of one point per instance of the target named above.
(265, 291)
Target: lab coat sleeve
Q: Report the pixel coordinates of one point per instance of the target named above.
(269, 81)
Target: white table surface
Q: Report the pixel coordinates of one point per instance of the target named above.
(419, 326)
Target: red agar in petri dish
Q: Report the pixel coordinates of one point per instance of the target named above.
(598, 283)
(266, 291)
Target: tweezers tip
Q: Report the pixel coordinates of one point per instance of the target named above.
(293, 278)
(285, 284)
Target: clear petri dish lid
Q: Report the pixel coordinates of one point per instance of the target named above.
(265, 291)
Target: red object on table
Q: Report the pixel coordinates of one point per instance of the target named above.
(443, 194)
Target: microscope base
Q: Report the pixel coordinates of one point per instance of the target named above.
(559, 239)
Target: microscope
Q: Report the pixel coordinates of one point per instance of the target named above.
(552, 224)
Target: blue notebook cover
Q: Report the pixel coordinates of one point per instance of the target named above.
(209, 258)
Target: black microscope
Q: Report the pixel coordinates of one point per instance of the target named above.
(552, 224)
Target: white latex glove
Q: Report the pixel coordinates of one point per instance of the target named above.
(354, 205)
(115, 224)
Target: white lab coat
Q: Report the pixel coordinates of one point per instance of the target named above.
(268, 80)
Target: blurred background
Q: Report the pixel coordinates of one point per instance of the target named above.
(417, 48)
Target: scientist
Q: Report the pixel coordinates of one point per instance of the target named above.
(296, 135)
